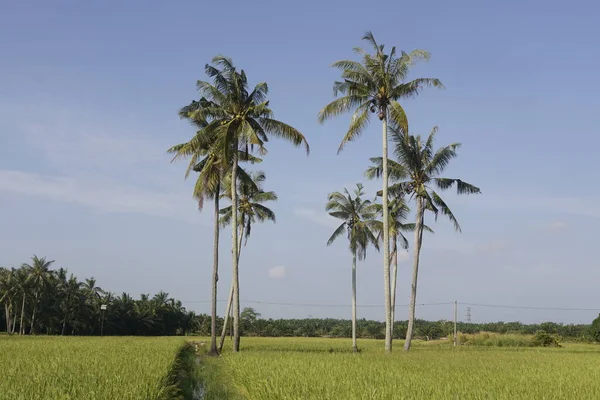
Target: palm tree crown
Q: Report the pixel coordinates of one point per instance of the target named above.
(358, 215)
(375, 85)
(250, 207)
(418, 171)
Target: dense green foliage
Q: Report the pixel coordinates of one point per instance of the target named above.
(292, 368)
(426, 330)
(52, 368)
(36, 299)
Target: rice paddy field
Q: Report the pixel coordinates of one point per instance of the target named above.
(287, 368)
(92, 368)
(294, 368)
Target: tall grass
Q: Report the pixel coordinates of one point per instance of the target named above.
(92, 368)
(286, 369)
(496, 339)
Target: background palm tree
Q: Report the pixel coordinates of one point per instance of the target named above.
(375, 85)
(419, 168)
(37, 279)
(359, 216)
(250, 210)
(242, 120)
(6, 296)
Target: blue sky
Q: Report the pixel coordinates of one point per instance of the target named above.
(89, 93)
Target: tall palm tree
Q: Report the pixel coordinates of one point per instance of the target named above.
(419, 169)
(212, 166)
(398, 213)
(358, 217)
(375, 85)
(6, 296)
(250, 210)
(69, 290)
(39, 273)
(242, 120)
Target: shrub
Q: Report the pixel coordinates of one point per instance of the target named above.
(545, 339)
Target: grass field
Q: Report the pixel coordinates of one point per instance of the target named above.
(326, 369)
(67, 368)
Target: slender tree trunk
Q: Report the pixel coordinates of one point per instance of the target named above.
(31, 329)
(230, 299)
(413, 293)
(15, 315)
(235, 277)
(21, 326)
(386, 241)
(64, 323)
(7, 312)
(394, 276)
(354, 346)
(215, 278)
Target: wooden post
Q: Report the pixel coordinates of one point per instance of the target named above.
(455, 320)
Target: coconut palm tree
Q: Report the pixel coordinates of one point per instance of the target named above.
(358, 216)
(398, 213)
(69, 290)
(212, 166)
(38, 276)
(418, 171)
(242, 120)
(250, 210)
(375, 85)
(6, 296)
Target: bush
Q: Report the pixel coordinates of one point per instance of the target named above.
(545, 339)
(492, 339)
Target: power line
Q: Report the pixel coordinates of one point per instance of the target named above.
(317, 305)
(531, 308)
(404, 305)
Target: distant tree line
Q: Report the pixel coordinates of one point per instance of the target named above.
(253, 325)
(35, 299)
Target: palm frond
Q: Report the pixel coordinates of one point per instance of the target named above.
(339, 231)
(444, 209)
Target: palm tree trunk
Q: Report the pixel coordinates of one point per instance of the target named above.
(64, 323)
(394, 276)
(413, 294)
(21, 327)
(230, 299)
(7, 315)
(354, 346)
(31, 329)
(386, 241)
(15, 315)
(235, 277)
(215, 278)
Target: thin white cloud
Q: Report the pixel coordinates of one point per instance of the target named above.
(320, 218)
(494, 247)
(277, 272)
(100, 195)
(554, 227)
(584, 206)
(75, 147)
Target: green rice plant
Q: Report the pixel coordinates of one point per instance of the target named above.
(90, 368)
(311, 368)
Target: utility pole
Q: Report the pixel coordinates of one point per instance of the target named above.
(455, 319)
(103, 309)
